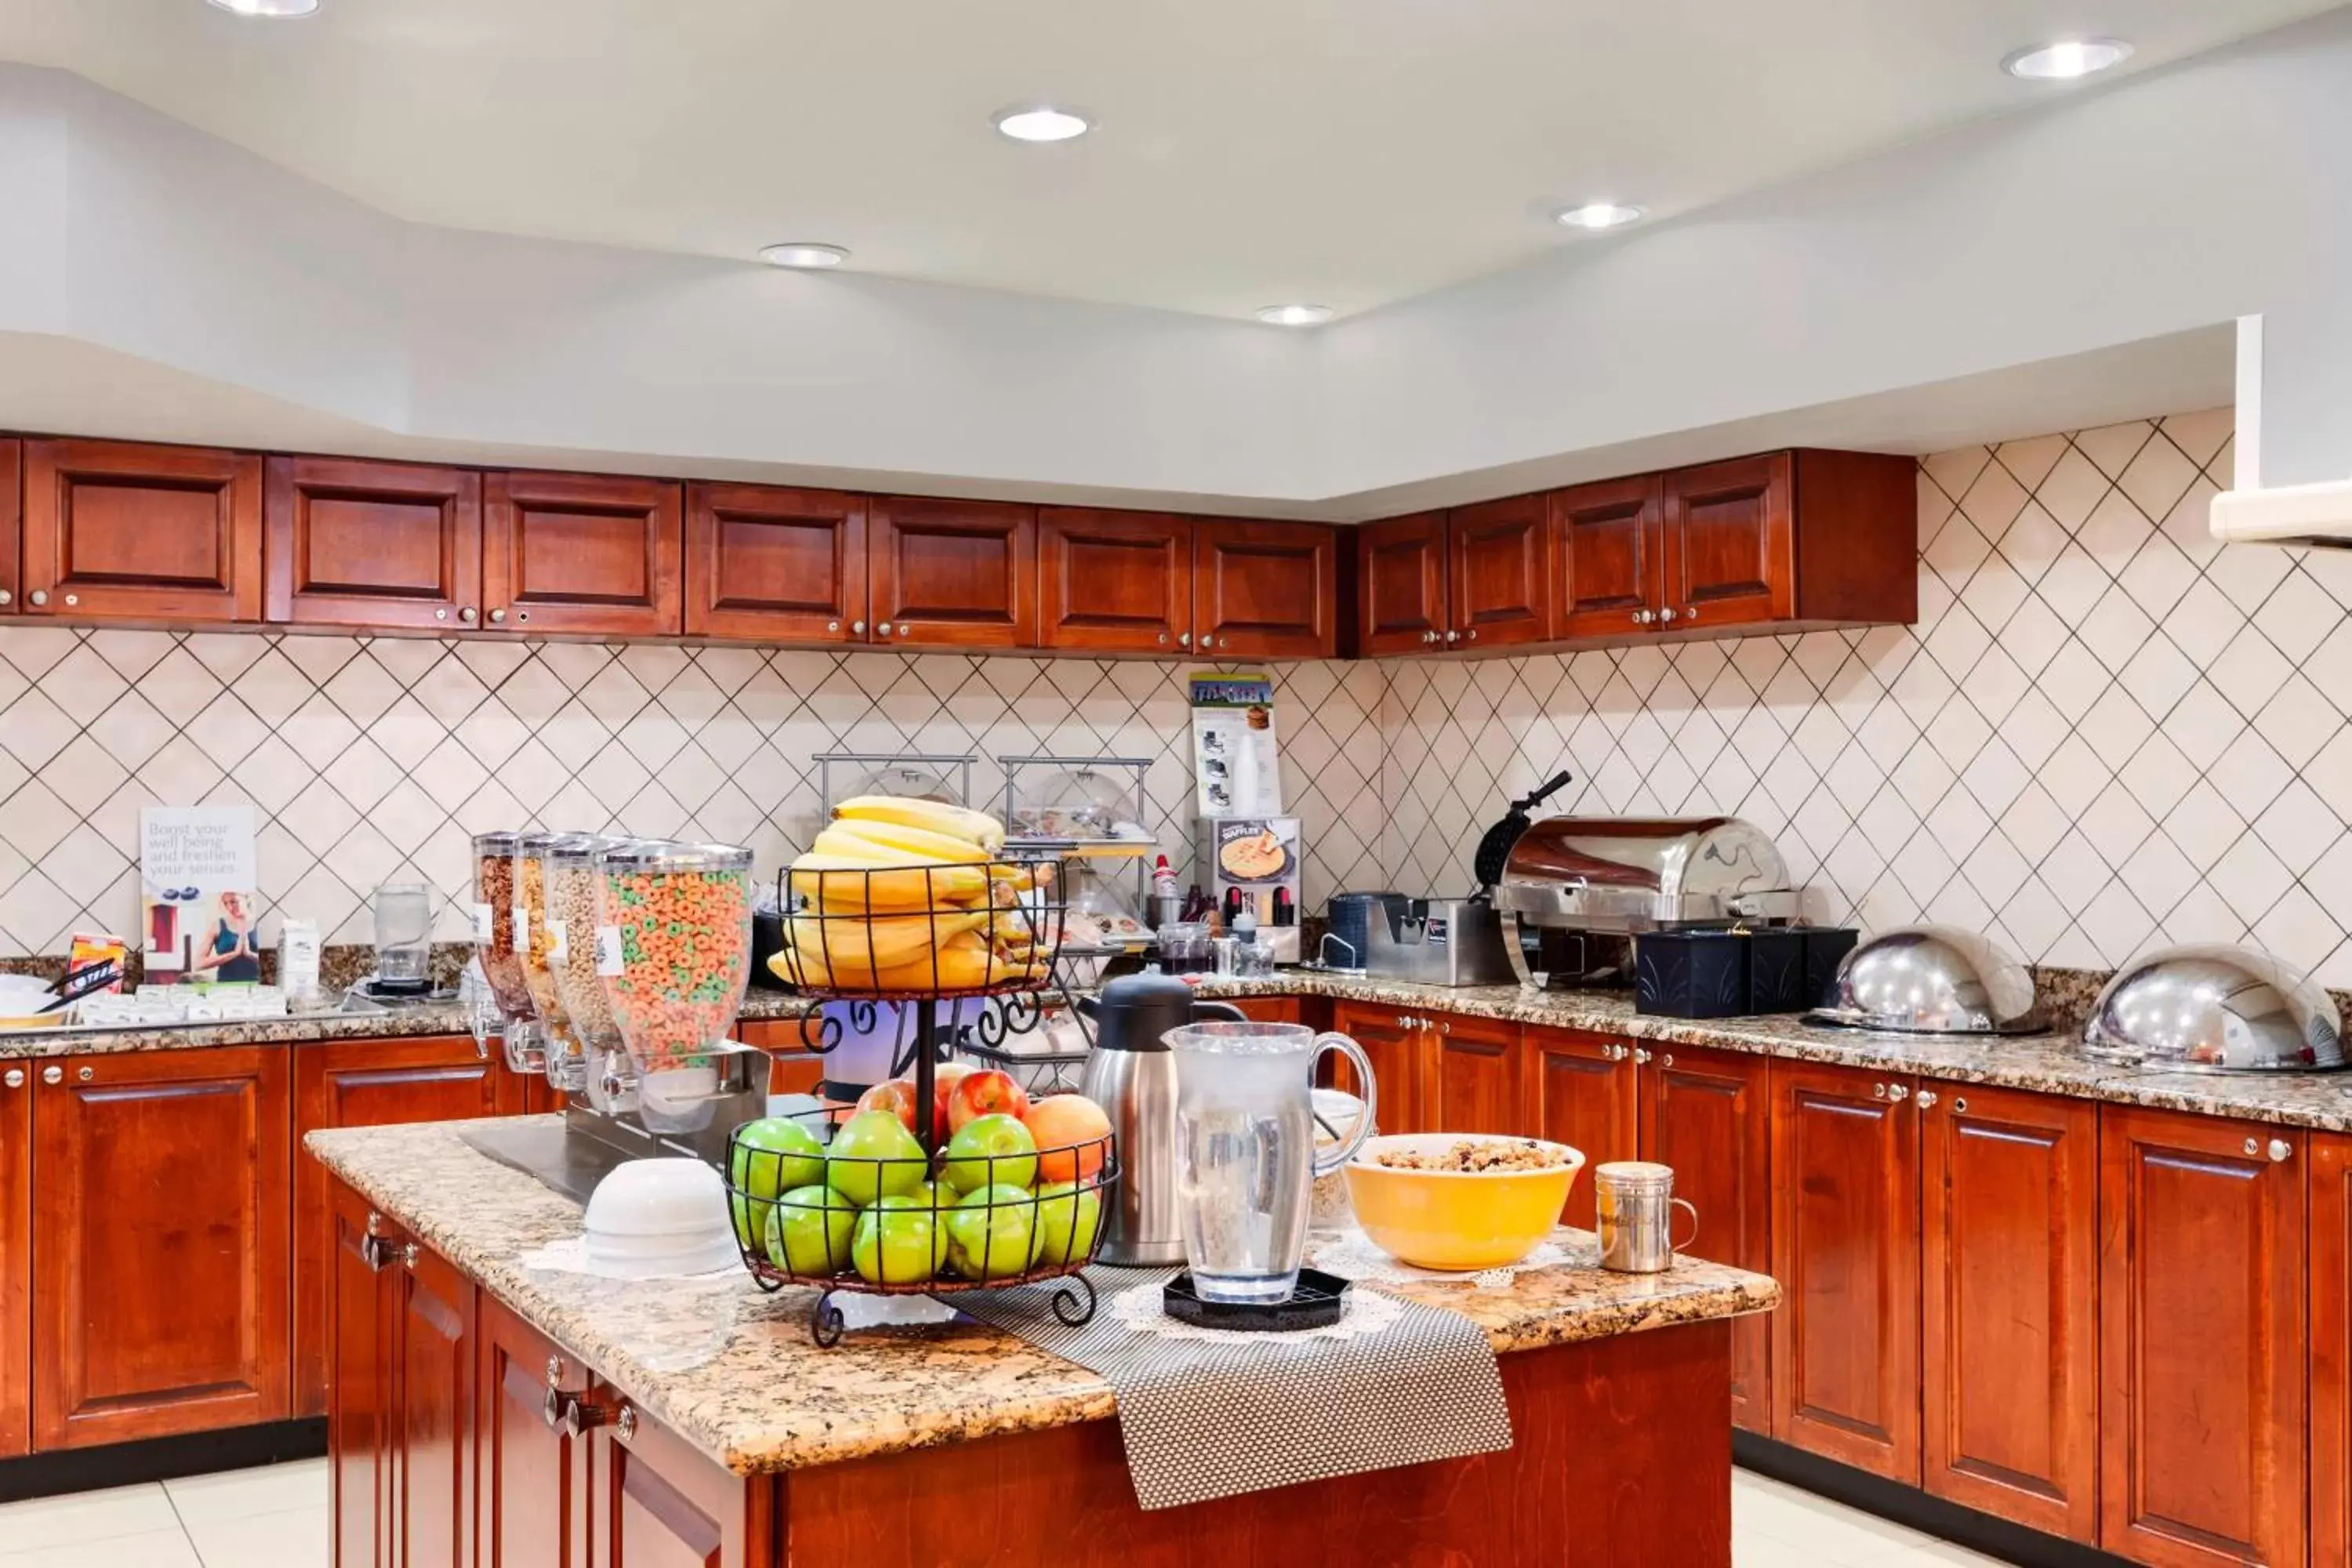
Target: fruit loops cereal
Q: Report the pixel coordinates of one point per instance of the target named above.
(683, 914)
(494, 886)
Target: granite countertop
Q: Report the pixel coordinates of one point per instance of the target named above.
(2047, 1064)
(734, 1371)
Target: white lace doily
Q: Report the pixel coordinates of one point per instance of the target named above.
(570, 1256)
(1367, 1312)
(1352, 1254)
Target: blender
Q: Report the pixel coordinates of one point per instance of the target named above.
(497, 950)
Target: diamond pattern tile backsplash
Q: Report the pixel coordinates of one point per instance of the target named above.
(2104, 731)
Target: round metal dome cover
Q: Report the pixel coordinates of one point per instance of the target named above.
(2211, 1007)
(1934, 980)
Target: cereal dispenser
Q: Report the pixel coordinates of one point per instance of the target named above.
(499, 940)
(675, 954)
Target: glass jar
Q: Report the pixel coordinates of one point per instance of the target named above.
(679, 953)
(536, 938)
(570, 882)
(500, 954)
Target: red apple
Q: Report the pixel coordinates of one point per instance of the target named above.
(1071, 1128)
(945, 1077)
(990, 1093)
(896, 1097)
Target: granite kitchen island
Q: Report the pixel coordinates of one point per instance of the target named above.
(486, 1411)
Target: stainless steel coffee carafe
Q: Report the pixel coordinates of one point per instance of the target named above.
(1132, 1075)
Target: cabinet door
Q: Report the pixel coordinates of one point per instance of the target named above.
(162, 1258)
(1265, 590)
(792, 1068)
(436, 1425)
(1499, 566)
(532, 1481)
(352, 543)
(1845, 1248)
(1475, 1076)
(15, 1258)
(773, 564)
(2331, 1347)
(1609, 542)
(1582, 1090)
(1730, 551)
(2200, 1339)
(1394, 1046)
(1269, 1009)
(12, 511)
(1400, 584)
(954, 574)
(361, 1472)
(369, 1083)
(659, 1503)
(113, 530)
(2009, 1399)
(582, 554)
(1707, 1113)
(1116, 580)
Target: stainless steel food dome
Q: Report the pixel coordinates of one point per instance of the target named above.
(1932, 980)
(2215, 1008)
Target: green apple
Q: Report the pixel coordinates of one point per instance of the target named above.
(809, 1231)
(1067, 1219)
(991, 1151)
(993, 1232)
(899, 1241)
(873, 1156)
(770, 1155)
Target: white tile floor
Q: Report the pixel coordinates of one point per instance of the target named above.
(275, 1517)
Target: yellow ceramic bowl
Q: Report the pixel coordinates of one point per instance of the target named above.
(1456, 1219)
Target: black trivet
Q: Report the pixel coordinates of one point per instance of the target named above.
(1316, 1302)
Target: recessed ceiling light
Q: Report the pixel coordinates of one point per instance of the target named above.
(2065, 61)
(1597, 214)
(1295, 315)
(1040, 123)
(803, 254)
(265, 7)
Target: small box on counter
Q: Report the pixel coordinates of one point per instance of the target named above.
(1690, 974)
(1825, 948)
(1775, 970)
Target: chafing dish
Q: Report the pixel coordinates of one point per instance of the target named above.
(2215, 1008)
(1932, 980)
(1616, 876)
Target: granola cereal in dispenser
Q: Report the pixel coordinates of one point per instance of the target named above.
(500, 953)
(571, 881)
(538, 942)
(680, 950)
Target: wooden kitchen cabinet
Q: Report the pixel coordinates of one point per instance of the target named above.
(124, 530)
(367, 545)
(1475, 1076)
(2201, 1344)
(160, 1255)
(771, 564)
(1730, 554)
(1707, 1114)
(362, 1474)
(1845, 1248)
(582, 554)
(369, 1083)
(1114, 582)
(1499, 573)
(12, 513)
(2330, 1316)
(656, 1503)
(531, 1476)
(2009, 1277)
(1400, 605)
(1264, 590)
(792, 1068)
(1608, 540)
(1394, 1046)
(953, 574)
(15, 1258)
(1581, 1089)
(434, 1432)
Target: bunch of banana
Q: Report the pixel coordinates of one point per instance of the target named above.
(904, 895)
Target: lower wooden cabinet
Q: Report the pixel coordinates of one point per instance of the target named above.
(2201, 1346)
(2009, 1386)
(362, 1385)
(1269, 1009)
(1473, 1077)
(1581, 1089)
(2330, 1316)
(1393, 1046)
(15, 1258)
(1845, 1248)
(532, 1475)
(656, 1502)
(161, 1258)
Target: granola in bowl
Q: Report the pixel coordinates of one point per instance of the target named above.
(1470, 1156)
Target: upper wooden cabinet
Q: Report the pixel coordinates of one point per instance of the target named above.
(1610, 539)
(582, 554)
(362, 545)
(12, 508)
(774, 564)
(161, 1263)
(15, 1260)
(119, 530)
(1499, 573)
(1116, 581)
(1400, 584)
(2201, 1381)
(1800, 539)
(953, 574)
(1264, 590)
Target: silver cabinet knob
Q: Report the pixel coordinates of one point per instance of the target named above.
(521, 616)
(1470, 636)
(408, 1256)
(1641, 1055)
(7, 598)
(1453, 637)
(86, 1074)
(1643, 617)
(2253, 1146)
(1444, 1026)
(1896, 1093)
(857, 628)
(625, 1425)
(469, 614)
(1667, 1061)
(833, 625)
(498, 617)
(2280, 1150)
(57, 1075)
(1183, 639)
(73, 601)
(1163, 639)
(1207, 642)
(374, 1223)
(15, 1078)
(1927, 1099)
(555, 1371)
(1878, 1092)
(1690, 612)
(882, 629)
(40, 596)
(1667, 615)
(904, 628)
(1429, 636)
(441, 614)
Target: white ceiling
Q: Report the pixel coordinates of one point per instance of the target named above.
(1346, 151)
